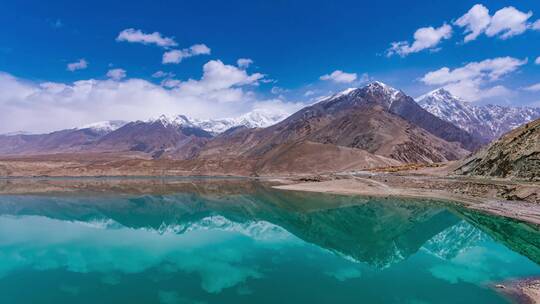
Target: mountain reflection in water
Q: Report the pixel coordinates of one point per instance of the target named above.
(234, 240)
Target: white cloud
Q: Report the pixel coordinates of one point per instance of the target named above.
(176, 56)
(137, 36)
(199, 49)
(508, 22)
(475, 21)
(278, 90)
(309, 93)
(116, 74)
(489, 69)
(537, 61)
(170, 83)
(218, 76)
(533, 88)
(475, 90)
(505, 23)
(472, 81)
(222, 91)
(536, 25)
(278, 106)
(78, 65)
(268, 80)
(424, 38)
(244, 63)
(162, 74)
(340, 77)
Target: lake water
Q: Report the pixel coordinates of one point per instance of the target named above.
(234, 241)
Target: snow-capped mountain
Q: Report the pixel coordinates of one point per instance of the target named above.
(488, 121)
(380, 122)
(176, 121)
(398, 103)
(378, 87)
(104, 126)
(258, 118)
(375, 88)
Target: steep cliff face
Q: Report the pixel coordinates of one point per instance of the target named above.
(515, 155)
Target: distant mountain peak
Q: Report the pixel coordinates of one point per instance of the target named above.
(378, 84)
(441, 95)
(105, 126)
(346, 91)
(381, 96)
(487, 121)
(257, 118)
(377, 87)
(173, 121)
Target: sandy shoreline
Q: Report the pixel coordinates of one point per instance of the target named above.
(466, 192)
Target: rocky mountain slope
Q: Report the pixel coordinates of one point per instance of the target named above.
(405, 107)
(152, 137)
(488, 122)
(72, 140)
(366, 119)
(516, 154)
(178, 135)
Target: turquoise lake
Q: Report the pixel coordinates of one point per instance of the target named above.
(237, 241)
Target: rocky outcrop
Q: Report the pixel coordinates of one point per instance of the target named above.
(515, 155)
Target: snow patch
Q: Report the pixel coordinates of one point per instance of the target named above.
(258, 118)
(105, 126)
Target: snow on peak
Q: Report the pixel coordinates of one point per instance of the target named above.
(441, 95)
(345, 92)
(173, 121)
(105, 126)
(383, 88)
(375, 86)
(488, 121)
(164, 120)
(258, 118)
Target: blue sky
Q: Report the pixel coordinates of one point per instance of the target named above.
(293, 45)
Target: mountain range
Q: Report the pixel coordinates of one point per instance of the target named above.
(164, 131)
(359, 128)
(488, 122)
(366, 123)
